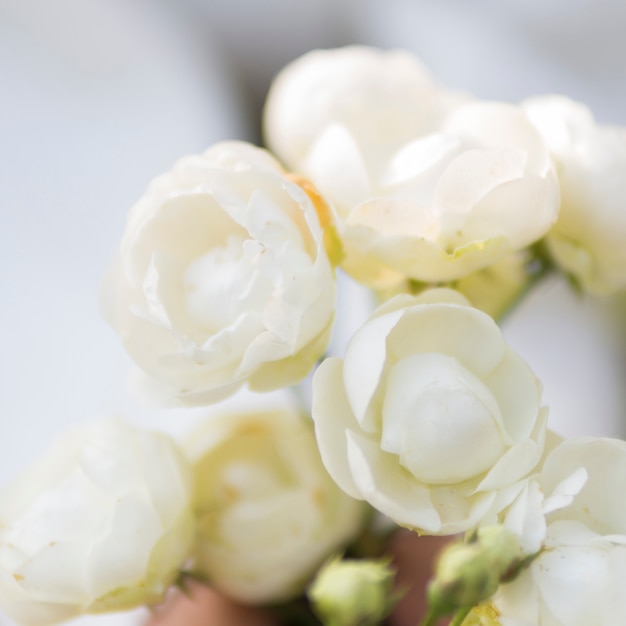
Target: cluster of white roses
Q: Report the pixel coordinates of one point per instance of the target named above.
(226, 277)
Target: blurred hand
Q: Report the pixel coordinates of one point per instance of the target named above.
(413, 556)
(204, 607)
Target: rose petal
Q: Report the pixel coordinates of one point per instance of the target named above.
(333, 420)
(380, 481)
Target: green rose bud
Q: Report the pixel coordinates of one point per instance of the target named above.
(470, 573)
(353, 592)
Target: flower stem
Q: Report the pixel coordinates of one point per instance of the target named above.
(460, 615)
(431, 618)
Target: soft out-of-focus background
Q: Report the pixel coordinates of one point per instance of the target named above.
(99, 96)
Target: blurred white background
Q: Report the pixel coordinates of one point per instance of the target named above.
(99, 96)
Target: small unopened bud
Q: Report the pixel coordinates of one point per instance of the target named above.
(353, 592)
(470, 573)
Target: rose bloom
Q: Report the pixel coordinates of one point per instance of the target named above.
(588, 239)
(578, 580)
(430, 187)
(430, 417)
(268, 513)
(381, 96)
(102, 522)
(222, 278)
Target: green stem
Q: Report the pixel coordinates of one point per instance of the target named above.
(460, 615)
(431, 619)
(184, 577)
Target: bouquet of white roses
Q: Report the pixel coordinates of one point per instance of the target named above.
(447, 209)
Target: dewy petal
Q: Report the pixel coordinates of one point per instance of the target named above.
(333, 420)
(464, 333)
(389, 488)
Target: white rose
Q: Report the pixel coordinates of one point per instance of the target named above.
(443, 205)
(431, 417)
(382, 97)
(268, 513)
(223, 278)
(425, 185)
(588, 239)
(579, 579)
(102, 522)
